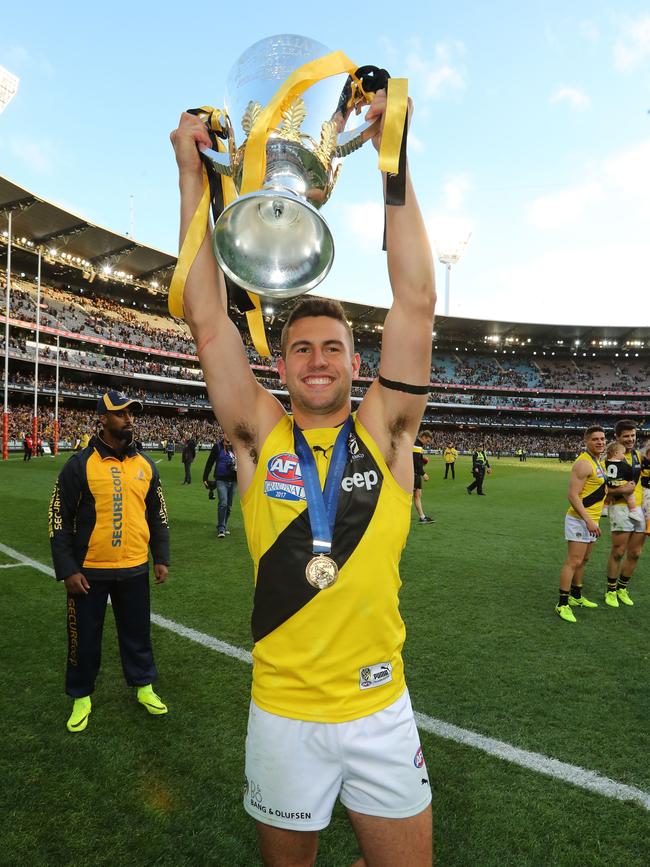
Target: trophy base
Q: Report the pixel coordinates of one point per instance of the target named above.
(273, 243)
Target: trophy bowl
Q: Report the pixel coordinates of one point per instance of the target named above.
(273, 241)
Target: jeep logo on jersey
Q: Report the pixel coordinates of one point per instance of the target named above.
(366, 480)
(283, 478)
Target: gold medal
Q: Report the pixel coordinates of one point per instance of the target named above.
(321, 571)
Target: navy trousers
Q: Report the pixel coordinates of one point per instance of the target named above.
(131, 608)
(479, 475)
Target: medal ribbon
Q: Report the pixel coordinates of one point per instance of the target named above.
(322, 505)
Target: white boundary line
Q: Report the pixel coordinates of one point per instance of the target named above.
(573, 774)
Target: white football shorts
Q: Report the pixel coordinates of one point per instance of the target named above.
(295, 770)
(575, 530)
(620, 520)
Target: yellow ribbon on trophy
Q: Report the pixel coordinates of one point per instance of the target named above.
(254, 167)
(394, 120)
(300, 79)
(196, 234)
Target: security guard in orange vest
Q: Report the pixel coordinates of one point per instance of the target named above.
(107, 510)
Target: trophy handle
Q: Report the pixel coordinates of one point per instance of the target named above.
(349, 142)
(220, 161)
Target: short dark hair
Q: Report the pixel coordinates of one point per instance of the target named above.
(315, 307)
(592, 429)
(427, 434)
(624, 424)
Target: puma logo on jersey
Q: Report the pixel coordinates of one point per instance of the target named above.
(366, 480)
(371, 676)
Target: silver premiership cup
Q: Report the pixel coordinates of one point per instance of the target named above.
(273, 241)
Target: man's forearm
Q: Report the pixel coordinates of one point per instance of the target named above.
(576, 502)
(410, 263)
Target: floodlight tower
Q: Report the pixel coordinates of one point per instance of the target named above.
(8, 87)
(449, 252)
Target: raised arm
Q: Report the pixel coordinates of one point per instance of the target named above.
(246, 411)
(393, 415)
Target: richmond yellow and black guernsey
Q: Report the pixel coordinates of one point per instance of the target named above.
(326, 655)
(105, 512)
(594, 489)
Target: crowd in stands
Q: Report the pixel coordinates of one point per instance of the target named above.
(74, 423)
(95, 315)
(521, 421)
(130, 364)
(500, 445)
(92, 314)
(571, 404)
(154, 430)
(198, 396)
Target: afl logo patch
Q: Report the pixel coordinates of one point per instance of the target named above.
(418, 759)
(283, 478)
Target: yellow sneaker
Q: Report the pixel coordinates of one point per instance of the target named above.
(565, 613)
(624, 596)
(80, 712)
(611, 599)
(153, 703)
(583, 602)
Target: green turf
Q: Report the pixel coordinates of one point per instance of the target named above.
(484, 651)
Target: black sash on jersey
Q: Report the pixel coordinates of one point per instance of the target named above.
(595, 496)
(601, 492)
(282, 589)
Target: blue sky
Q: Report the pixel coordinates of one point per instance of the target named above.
(531, 131)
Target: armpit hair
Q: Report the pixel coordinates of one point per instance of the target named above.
(397, 428)
(246, 436)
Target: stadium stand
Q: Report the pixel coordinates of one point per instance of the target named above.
(508, 385)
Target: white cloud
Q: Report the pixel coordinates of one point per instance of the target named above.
(21, 58)
(619, 184)
(579, 285)
(629, 172)
(388, 46)
(364, 221)
(416, 144)
(590, 31)
(18, 54)
(455, 189)
(575, 96)
(447, 231)
(633, 45)
(565, 206)
(36, 154)
(439, 75)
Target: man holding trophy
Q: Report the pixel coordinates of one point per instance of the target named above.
(326, 498)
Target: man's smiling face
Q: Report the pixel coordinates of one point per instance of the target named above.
(319, 365)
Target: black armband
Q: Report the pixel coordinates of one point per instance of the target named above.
(403, 386)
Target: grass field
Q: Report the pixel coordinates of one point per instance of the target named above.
(484, 652)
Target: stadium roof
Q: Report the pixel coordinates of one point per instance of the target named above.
(42, 222)
(457, 328)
